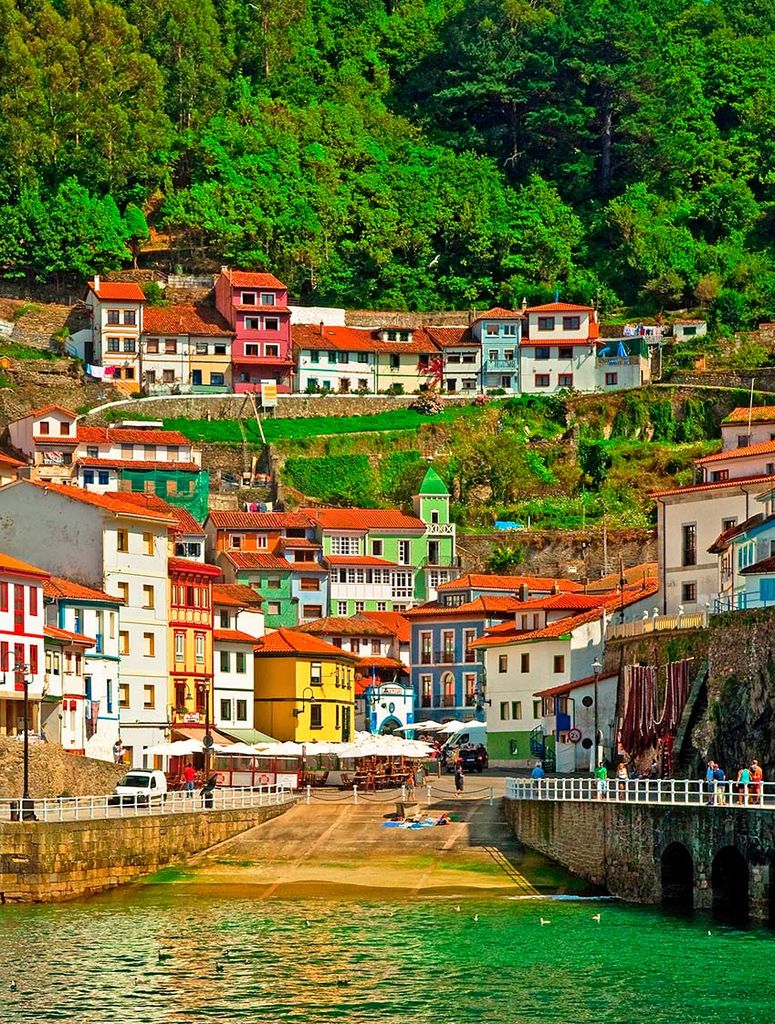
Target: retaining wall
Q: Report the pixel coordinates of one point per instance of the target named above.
(46, 862)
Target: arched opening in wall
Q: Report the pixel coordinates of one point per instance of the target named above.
(677, 876)
(729, 878)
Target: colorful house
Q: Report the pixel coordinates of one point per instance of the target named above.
(190, 645)
(238, 624)
(21, 641)
(48, 439)
(304, 688)
(460, 360)
(255, 306)
(558, 349)
(63, 715)
(498, 332)
(186, 349)
(117, 322)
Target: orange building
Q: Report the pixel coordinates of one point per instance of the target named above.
(191, 642)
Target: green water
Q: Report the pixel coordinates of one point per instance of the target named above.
(409, 961)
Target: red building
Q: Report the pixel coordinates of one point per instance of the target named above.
(256, 308)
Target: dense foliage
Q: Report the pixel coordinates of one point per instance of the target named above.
(408, 153)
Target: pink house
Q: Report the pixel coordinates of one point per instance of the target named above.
(256, 307)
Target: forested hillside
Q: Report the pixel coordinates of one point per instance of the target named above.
(404, 153)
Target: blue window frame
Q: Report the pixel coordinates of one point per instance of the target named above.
(88, 476)
(103, 477)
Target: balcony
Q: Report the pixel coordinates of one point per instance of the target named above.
(501, 364)
(445, 657)
(447, 701)
(441, 529)
(426, 658)
(426, 701)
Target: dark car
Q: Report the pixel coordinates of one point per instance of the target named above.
(474, 758)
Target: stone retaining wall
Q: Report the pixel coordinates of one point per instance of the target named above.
(763, 376)
(46, 862)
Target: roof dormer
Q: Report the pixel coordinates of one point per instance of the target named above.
(396, 334)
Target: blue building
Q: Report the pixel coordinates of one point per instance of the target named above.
(499, 332)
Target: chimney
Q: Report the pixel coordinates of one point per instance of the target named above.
(321, 328)
(224, 270)
(524, 303)
(96, 282)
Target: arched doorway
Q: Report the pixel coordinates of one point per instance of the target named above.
(677, 876)
(390, 726)
(729, 878)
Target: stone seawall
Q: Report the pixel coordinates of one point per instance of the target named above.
(46, 862)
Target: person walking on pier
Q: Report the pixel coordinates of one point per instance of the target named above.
(710, 783)
(458, 777)
(719, 785)
(537, 776)
(189, 775)
(601, 774)
(743, 782)
(757, 775)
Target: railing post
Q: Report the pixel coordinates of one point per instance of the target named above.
(355, 794)
(490, 796)
(429, 795)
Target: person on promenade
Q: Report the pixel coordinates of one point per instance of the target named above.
(189, 775)
(601, 774)
(622, 778)
(757, 775)
(710, 784)
(719, 785)
(118, 751)
(743, 782)
(537, 775)
(458, 778)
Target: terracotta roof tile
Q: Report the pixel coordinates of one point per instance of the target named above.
(58, 587)
(556, 691)
(364, 519)
(359, 339)
(500, 313)
(722, 542)
(450, 337)
(9, 460)
(396, 622)
(55, 633)
(192, 566)
(376, 662)
(233, 636)
(235, 595)
(118, 291)
(131, 435)
(117, 502)
(765, 565)
(487, 581)
(291, 641)
(335, 561)
(738, 482)
(560, 307)
(353, 626)
(763, 448)
(259, 520)
(255, 560)
(46, 409)
(17, 567)
(139, 465)
(759, 414)
(253, 279)
(185, 319)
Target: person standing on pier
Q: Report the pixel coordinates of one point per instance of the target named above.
(757, 775)
(602, 781)
(458, 777)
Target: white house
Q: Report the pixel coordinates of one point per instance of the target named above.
(559, 348)
(48, 440)
(744, 427)
(22, 621)
(117, 323)
(84, 611)
(461, 357)
(63, 708)
(238, 622)
(107, 542)
(685, 329)
(568, 716)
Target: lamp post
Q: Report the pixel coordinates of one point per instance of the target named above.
(596, 667)
(22, 682)
(207, 742)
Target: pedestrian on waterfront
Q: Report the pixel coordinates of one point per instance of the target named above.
(118, 751)
(710, 783)
(743, 782)
(757, 776)
(601, 774)
(458, 778)
(189, 776)
(719, 785)
(537, 775)
(622, 778)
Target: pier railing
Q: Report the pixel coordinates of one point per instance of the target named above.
(93, 808)
(671, 792)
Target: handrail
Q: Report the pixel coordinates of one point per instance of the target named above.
(665, 792)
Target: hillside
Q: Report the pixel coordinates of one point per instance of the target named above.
(409, 155)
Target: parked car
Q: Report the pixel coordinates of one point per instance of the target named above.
(141, 786)
(474, 758)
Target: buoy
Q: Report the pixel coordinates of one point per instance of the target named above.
(544, 921)
(596, 917)
(13, 986)
(476, 917)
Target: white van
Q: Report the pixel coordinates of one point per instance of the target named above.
(141, 785)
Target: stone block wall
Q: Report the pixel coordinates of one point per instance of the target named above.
(43, 862)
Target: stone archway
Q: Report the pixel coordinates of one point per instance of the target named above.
(677, 877)
(390, 726)
(729, 879)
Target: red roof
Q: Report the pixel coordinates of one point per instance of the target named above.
(759, 414)
(485, 581)
(359, 339)
(248, 308)
(255, 560)
(499, 313)
(55, 633)
(763, 448)
(233, 636)
(17, 567)
(763, 566)
(364, 519)
(119, 291)
(479, 607)
(117, 502)
(141, 465)
(721, 543)
(574, 602)
(449, 337)
(131, 435)
(191, 566)
(259, 520)
(235, 595)
(299, 543)
(396, 622)
(555, 691)
(354, 626)
(58, 587)
(187, 525)
(291, 641)
(251, 279)
(46, 409)
(185, 319)
(560, 307)
(342, 560)
(739, 482)
(564, 342)
(9, 460)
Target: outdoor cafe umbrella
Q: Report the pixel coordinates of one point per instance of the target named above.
(235, 749)
(177, 749)
(420, 727)
(455, 726)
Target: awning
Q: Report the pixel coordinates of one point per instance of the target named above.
(190, 732)
(248, 736)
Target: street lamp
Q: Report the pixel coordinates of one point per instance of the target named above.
(207, 742)
(22, 682)
(596, 668)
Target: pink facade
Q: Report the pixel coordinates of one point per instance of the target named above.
(256, 307)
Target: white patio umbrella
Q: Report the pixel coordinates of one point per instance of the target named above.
(177, 748)
(235, 749)
(420, 727)
(286, 749)
(455, 726)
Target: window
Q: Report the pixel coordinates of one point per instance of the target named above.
(492, 330)
(103, 477)
(542, 380)
(542, 352)
(503, 663)
(114, 344)
(611, 380)
(316, 716)
(149, 645)
(565, 380)
(345, 545)
(469, 635)
(242, 711)
(3, 597)
(88, 476)
(565, 352)
(516, 710)
(168, 376)
(316, 673)
(571, 323)
(382, 606)
(273, 608)
(742, 440)
(217, 380)
(122, 540)
(404, 552)
(689, 544)
(273, 583)
(241, 660)
(200, 648)
(123, 592)
(235, 541)
(219, 348)
(225, 661)
(180, 646)
(226, 709)
(267, 298)
(114, 316)
(546, 323)
(148, 543)
(360, 606)
(537, 709)
(152, 346)
(149, 696)
(363, 357)
(252, 323)
(309, 583)
(524, 663)
(248, 299)
(123, 695)
(559, 663)
(314, 356)
(271, 323)
(688, 592)
(395, 362)
(252, 350)
(201, 348)
(130, 318)
(504, 711)
(723, 474)
(129, 374)
(148, 596)
(130, 345)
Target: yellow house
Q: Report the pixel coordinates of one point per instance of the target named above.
(191, 642)
(304, 688)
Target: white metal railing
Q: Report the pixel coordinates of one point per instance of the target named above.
(655, 624)
(93, 808)
(672, 792)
